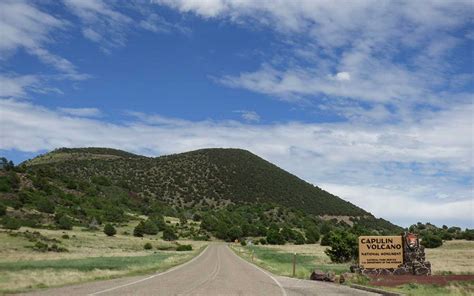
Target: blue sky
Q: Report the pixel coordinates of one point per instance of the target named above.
(369, 100)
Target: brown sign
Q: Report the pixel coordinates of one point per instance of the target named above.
(380, 251)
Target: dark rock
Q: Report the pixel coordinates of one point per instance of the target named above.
(330, 277)
(317, 275)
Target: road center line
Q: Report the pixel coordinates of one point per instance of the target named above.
(150, 277)
(264, 271)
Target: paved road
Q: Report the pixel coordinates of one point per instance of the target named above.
(216, 271)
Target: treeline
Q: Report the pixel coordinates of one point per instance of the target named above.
(433, 236)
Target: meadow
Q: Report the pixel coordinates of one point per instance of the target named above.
(454, 257)
(90, 255)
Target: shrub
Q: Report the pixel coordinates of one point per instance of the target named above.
(263, 241)
(274, 237)
(109, 230)
(3, 210)
(325, 240)
(11, 223)
(243, 243)
(139, 230)
(312, 235)
(40, 247)
(431, 241)
(147, 246)
(344, 247)
(65, 223)
(149, 227)
(234, 233)
(184, 248)
(65, 236)
(45, 205)
(169, 234)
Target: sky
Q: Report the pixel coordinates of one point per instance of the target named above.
(369, 100)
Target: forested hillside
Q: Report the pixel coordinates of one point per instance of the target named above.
(225, 189)
(202, 177)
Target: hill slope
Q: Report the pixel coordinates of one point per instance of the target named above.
(202, 177)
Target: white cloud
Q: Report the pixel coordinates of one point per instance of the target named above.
(16, 86)
(343, 76)
(102, 22)
(391, 52)
(81, 112)
(421, 163)
(249, 116)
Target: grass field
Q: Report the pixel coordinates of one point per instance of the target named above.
(90, 256)
(279, 259)
(454, 257)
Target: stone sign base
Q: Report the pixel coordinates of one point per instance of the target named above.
(413, 258)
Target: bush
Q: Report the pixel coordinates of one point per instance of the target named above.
(40, 247)
(139, 230)
(431, 241)
(263, 241)
(11, 223)
(344, 247)
(3, 210)
(147, 246)
(65, 223)
(109, 230)
(312, 235)
(45, 205)
(149, 227)
(184, 248)
(65, 236)
(274, 237)
(243, 243)
(169, 234)
(326, 240)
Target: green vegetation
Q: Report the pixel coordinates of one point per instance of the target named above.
(453, 288)
(181, 248)
(281, 263)
(344, 246)
(109, 230)
(206, 177)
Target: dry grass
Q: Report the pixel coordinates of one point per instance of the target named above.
(81, 245)
(453, 257)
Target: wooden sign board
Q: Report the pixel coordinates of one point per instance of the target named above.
(380, 251)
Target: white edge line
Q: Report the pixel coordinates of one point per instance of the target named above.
(152, 276)
(262, 270)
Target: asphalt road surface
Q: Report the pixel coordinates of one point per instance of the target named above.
(216, 271)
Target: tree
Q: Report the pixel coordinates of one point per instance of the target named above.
(234, 233)
(149, 227)
(110, 230)
(344, 247)
(169, 234)
(326, 239)
(65, 223)
(274, 237)
(312, 235)
(147, 246)
(3, 210)
(430, 240)
(11, 223)
(139, 230)
(45, 205)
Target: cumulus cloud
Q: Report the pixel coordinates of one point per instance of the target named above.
(409, 162)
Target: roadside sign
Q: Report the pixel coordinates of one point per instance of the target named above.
(380, 251)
